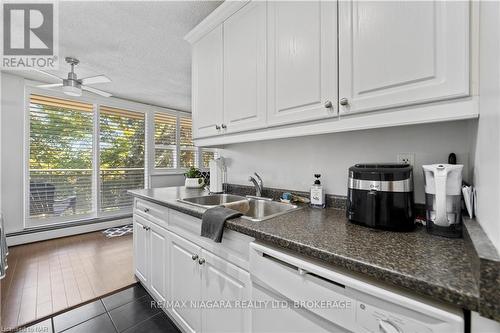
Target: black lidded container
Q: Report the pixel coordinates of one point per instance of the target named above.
(381, 196)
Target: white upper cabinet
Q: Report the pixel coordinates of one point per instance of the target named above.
(207, 84)
(245, 68)
(302, 59)
(278, 69)
(397, 53)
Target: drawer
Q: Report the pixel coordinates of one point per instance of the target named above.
(325, 298)
(151, 211)
(234, 246)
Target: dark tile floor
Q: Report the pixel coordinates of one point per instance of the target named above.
(126, 311)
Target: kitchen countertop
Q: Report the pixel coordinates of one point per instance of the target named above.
(428, 265)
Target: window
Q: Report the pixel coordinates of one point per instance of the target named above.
(121, 156)
(206, 156)
(60, 159)
(188, 152)
(70, 177)
(84, 157)
(165, 141)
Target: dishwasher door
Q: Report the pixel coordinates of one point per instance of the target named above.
(352, 303)
(279, 315)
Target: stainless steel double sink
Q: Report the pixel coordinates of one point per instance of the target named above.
(260, 208)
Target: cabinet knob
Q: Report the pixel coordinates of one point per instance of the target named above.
(328, 104)
(194, 256)
(344, 101)
(144, 227)
(201, 261)
(146, 210)
(217, 127)
(223, 126)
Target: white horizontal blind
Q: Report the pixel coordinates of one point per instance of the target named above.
(207, 155)
(165, 141)
(188, 152)
(60, 164)
(121, 157)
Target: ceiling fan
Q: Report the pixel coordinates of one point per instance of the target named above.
(72, 85)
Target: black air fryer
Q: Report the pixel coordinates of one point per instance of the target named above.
(381, 196)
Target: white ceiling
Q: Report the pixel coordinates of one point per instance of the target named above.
(138, 44)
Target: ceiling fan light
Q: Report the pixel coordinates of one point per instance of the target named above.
(72, 91)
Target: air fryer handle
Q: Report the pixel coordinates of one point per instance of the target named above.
(371, 211)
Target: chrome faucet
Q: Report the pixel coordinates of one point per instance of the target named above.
(259, 185)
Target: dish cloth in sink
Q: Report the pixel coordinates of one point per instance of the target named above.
(212, 222)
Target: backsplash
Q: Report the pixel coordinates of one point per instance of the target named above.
(291, 163)
(332, 200)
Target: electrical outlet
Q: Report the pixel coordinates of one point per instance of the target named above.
(408, 158)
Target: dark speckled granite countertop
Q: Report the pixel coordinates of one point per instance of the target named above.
(427, 265)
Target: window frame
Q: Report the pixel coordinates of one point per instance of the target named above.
(149, 170)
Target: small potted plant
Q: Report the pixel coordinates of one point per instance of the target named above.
(193, 178)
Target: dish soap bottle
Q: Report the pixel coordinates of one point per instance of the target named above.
(317, 193)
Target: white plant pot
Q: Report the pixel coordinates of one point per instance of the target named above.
(194, 183)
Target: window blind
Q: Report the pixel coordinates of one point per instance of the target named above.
(188, 152)
(207, 155)
(165, 140)
(121, 156)
(60, 157)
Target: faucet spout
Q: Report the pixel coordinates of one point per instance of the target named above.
(257, 185)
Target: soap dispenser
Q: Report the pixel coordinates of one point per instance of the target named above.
(317, 193)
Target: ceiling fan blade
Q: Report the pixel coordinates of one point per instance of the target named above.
(48, 74)
(52, 85)
(96, 79)
(97, 91)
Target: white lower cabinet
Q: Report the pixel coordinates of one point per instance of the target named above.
(203, 283)
(184, 281)
(158, 261)
(141, 244)
(222, 281)
(150, 256)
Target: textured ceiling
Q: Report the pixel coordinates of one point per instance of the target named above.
(139, 45)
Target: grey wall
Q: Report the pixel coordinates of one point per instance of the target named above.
(11, 131)
(487, 151)
(291, 163)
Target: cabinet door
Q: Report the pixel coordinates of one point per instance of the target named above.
(158, 261)
(245, 68)
(141, 249)
(397, 53)
(302, 60)
(184, 279)
(224, 281)
(207, 84)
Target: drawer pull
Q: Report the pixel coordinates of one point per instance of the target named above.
(146, 210)
(201, 261)
(194, 256)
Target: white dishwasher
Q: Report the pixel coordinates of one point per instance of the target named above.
(290, 294)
